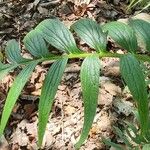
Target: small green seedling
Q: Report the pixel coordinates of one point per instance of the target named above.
(143, 4)
(54, 33)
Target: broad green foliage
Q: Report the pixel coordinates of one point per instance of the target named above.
(91, 33)
(134, 77)
(90, 71)
(14, 93)
(52, 32)
(49, 89)
(122, 34)
(35, 44)
(141, 27)
(13, 52)
(58, 35)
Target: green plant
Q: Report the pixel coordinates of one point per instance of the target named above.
(56, 34)
(144, 4)
(130, 137)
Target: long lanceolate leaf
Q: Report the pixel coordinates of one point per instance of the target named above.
(90, 72)
(58, 35)
(134, 78)
(122, 34)
(110, 143)
(14, 93)
(48, 92)
(142, 28)
(91, 33)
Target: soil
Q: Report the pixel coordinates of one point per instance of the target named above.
(17, 18)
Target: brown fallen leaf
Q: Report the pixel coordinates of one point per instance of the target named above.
(105, 98)
(69, 110)
(29, 108)
(111, 88)
(111, 67)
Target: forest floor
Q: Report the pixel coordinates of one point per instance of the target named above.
(115, 104)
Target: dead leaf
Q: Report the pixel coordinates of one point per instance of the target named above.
(69, 110)
(29, 109)
(111, 88)
(105, 98)
(111, 67)
(123, 106)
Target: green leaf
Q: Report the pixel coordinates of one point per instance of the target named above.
(135, 138)
(122, 136)
(35, 44)
(136, 148)
(4, 69)
(1, 56)
(14, 93)
(122, 34)
(48, 93)
(13, 52)
(134, 78)
(91, 33)
(90, 72)
(109, 143)
(146, 147)
(142, 28)
(132, 132)
(58, 35)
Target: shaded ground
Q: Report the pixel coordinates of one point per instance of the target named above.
(66, 118)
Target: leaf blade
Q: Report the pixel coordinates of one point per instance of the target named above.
(146, 147)
(49, 89)
(14, 93)
(91, 32)
(142, 28)
(4, 69)
(58, 35)
(90, 71)
(35, 44)
(110, 143)
(13, 52)
(122, 34)
(134, 78)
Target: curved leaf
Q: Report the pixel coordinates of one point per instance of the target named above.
(112, 144)
(90, 72)
(134, 78)
(48, 93)
(142, 28)
(58, 35)
(14, 93)
(35, 44)
(122, 136)
(122, 34)
(146, 147)
(91, 32)
(13, 52)
(4, 69)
